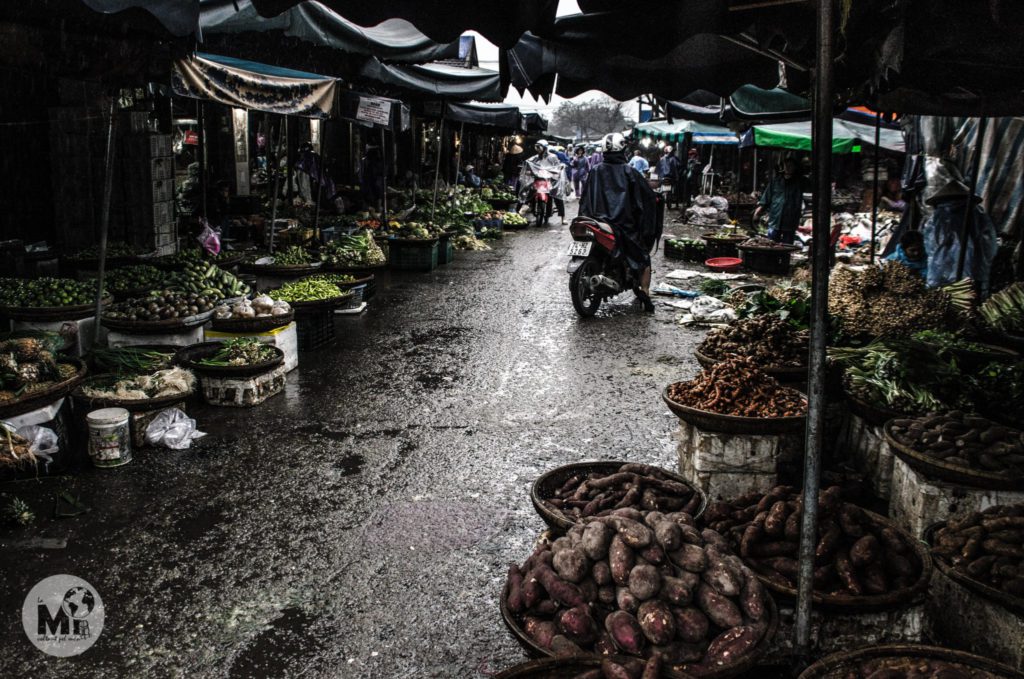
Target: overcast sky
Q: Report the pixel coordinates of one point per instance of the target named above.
(488, 54)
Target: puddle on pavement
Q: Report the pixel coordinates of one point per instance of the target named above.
(350, 465)
(433, 526)
(290, 637)
(190, 528)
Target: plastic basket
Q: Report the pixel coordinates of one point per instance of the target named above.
(414, 256)
(445, 252)
(775, 262)
(315, 330)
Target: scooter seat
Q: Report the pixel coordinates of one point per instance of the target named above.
(607, 228)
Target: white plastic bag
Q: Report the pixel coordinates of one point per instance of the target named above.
(42, 441)
(172, 429)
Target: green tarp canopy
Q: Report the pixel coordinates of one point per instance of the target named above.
(702, 133)
(847, 137)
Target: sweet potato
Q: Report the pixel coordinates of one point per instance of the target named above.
(588, 588)
(614, 670)
(731, 645)
(625, 632)
(577, 624)
(682, 518)
(621, 560)
(689, 557)
(898, 565)
(716, 539)
(723, 578)
(629, 513)
(656, 621)
(541, 631)
(675, 591)
(532, 591)
(865, 551)
(652, 670)
(571, 565)
(606, 595)
(601, 572)
(590, 674)
(631, 498)
(830, 533)
(719, 609)
(653, 554)
(544, 608)
(874, 579)
(891, 540)
(752, 535)
(779, 548)
(612, 480)
(626, 600)
(775, 523)
(604, 644)
(783, 565)
(596, 538)
(844, 567)
(644, 582)
(565, 593)
(633, 533)
(752, 599)
(515, 589)
(564, 647)
(669, 535)
(691, 624)
(652, 519)
(679, 652)
(691, 536)
(792, 529)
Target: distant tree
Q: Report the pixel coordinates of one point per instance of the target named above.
(591, 119)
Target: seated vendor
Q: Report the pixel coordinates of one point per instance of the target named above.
(910, 252)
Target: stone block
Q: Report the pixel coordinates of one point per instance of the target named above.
(864, 444)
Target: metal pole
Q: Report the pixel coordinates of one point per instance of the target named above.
(755, 170)
(874, 193)
(277, 188)
(965, 230)
(384, 157)
(203, 180)
(323, 176)
(108, 189)
(458, 154)
(437, 168)
(822, 152)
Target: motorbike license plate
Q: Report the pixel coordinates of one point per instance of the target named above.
(580, 248)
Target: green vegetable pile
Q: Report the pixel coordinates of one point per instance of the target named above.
(356, 251)
(132, 360)
(46, 292)
(333, 278)
(1004, 310)
(945, 341)
(114, 249)
(292, 256)
(413, 231)
(134, 277)
(209, 280)
(241, 351)
(713, 288)
(306, 290)
(791, 304)
(514, 219)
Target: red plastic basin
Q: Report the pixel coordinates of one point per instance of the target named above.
(724, 264)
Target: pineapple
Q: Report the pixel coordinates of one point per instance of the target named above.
(18, 512)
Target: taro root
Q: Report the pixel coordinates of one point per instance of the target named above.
(634, 488)
(738, 387)
(966, 441)
(702, 606)
(987, 546)
(855, 555)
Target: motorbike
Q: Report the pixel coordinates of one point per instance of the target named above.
(539, 194)
(597, 271)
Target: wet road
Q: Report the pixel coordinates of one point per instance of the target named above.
(360, 524)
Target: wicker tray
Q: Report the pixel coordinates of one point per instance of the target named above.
(1007, 601)
(165, 326)
(190, 357)
(732, 424)
(763, 248)
(88, 403)
(782, 374)
(951, 473)
(42, 398)
(545, 485)
(567, 668)
(330, 268)
(728, 240)
(870, 602)
(52, 313)
(839, 665)
(871, 414)
(256, 325)
(296, 270)
(737, 668)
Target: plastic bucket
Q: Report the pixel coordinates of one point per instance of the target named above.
(110, 441)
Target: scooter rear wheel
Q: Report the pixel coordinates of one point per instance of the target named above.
(584, 300)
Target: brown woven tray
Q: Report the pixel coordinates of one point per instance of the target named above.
(190, 357)
(52, 313)
(546, 485)
(87, 403)
(40, 399)
(870, 602)
(951, 473)
(997, 596)
(839, 665)
(781, 373)
(258, 324)
(168, 325)
(732, 424)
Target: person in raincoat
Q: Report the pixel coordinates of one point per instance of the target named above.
(620, 196)
(580, 170)
(942, 238)
(669, 171)
(911, 253)
(545, 163)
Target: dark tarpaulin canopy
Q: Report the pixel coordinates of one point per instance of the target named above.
(500, 21)
(502, 116)
(312, 25)
(535, 122)
(435, 80)
(179, 17)
(704, 61)
(699, 106)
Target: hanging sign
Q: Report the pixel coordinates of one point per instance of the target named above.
(191, 138)
(374, 110)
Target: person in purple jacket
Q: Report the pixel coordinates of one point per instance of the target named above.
(580, 170)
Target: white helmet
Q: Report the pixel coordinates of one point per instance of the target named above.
(613, 142)
(668, 149)
(541, 143)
